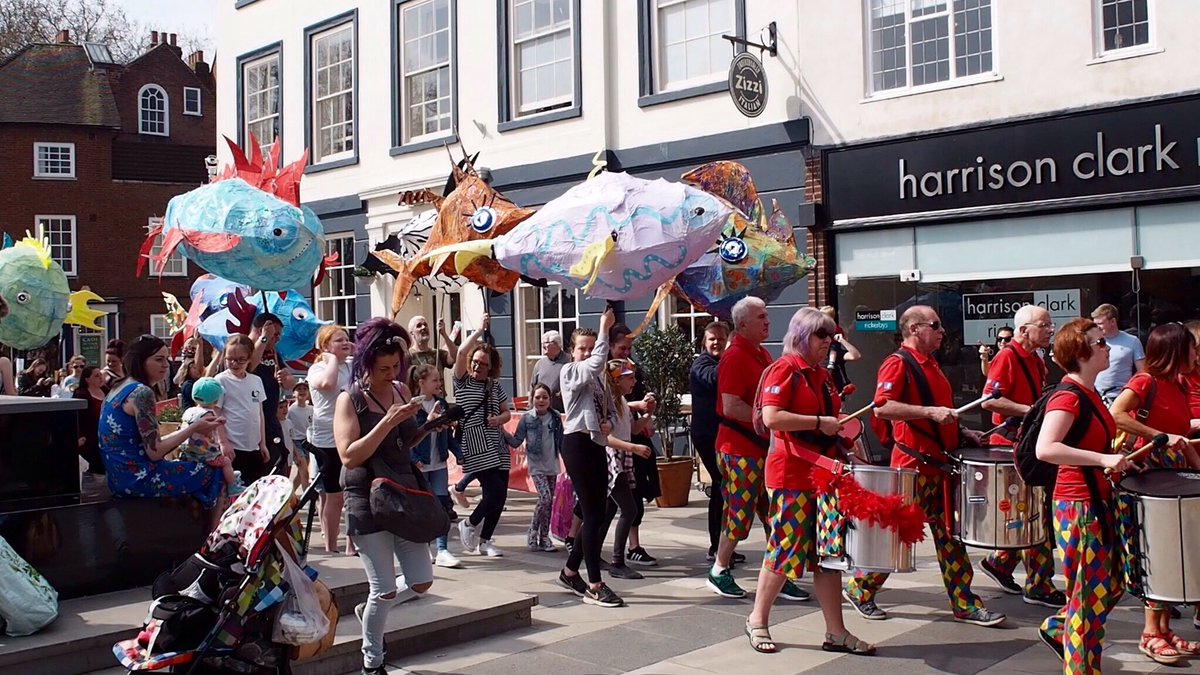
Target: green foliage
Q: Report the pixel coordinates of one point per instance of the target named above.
(170, 414)
(664, 358)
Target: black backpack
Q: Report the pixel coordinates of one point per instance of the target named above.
(1032, 470)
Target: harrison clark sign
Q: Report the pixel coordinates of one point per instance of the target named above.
(1135, 148)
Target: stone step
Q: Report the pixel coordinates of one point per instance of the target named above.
(81, 640)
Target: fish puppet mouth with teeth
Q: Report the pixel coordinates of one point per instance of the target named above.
(246, 226)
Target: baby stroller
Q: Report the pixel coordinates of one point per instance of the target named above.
(217, 613)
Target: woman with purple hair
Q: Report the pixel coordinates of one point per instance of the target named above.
(801, 407)
(374, 423)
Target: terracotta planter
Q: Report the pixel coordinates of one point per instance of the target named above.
(675, 481)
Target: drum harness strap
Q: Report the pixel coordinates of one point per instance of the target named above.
(925, 394)
(1009, 431)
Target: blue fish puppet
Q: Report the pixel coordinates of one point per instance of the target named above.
(222, 308)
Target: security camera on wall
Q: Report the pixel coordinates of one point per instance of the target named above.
(210, 165)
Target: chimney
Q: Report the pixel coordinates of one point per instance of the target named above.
(172, 39)
(63, 37)
(153, 38)
(195, 61)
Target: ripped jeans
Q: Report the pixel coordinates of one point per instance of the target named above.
(379, 552)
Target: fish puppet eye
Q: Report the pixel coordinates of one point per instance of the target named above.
(300, 314)
(23, 298)
(278, 232)
(484, 219)
(224, 300)
(698, 211)
(733, 250)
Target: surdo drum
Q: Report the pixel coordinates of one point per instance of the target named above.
(872, 548)
(993, 508)
(1163, 544)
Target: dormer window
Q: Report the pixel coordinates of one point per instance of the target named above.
(153, 107)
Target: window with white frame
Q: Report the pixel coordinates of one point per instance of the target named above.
(260, 100)
(159, 327)
(539, 310)
(332, 58)
(175, 265)
(689, 48)
(543, 54)
(191, 101)
(680, 313)
(425, 53)
(1121, 24)
(335, 296)
(153, 110)
(919, 43)
(53, 160)
(60, 230)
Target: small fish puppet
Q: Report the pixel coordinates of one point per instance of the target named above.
(756, 254)
(406, 243)
(226, 308)
(246, 226)
(614, 236)
(472, 211)
(39, 301)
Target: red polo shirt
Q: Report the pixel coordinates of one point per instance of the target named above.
(1071, 485)
(738, 373)
(892, 383)
(1168, 412)
(786, 468)
(1192, 382)
(1005, 374)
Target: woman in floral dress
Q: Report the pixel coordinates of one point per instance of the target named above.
(132, 450)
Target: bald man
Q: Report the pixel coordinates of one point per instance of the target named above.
(422, 352)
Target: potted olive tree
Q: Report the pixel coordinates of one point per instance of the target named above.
(664, 358)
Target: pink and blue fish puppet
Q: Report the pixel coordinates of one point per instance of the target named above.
(246, 226)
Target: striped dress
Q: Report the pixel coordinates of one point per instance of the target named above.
(482, 446)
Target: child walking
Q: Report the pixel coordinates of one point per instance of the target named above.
(300, 417)
(541, 430)
(431, 453)
(620, 450)
(213, 448)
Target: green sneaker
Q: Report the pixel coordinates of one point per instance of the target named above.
(723, 585)
(793, 592)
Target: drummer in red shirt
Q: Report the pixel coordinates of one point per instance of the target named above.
(1083, 522)
(1192, 381)
(1018, 373)
(741, 452)
(1170, 357)
(927, 432)
(800, 405)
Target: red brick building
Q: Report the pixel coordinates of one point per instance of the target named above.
(90, 152)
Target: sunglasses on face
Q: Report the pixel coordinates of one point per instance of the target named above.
(1099, 342)
(935, 325)
(1004, 339)
(822, 334)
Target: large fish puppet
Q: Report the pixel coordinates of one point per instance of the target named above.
(472, 211)
(38, 300)
(221, 308)
(756, 253)
(247, 226)
(613, 236)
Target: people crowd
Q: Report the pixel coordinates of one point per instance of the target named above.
(760, 425)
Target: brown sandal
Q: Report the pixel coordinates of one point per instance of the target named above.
(847, 644)
(760, 639)
(1158, 649)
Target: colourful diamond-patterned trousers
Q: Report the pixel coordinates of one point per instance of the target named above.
(1094, 586)
(793, 532)
(745, 493)
(952, 555)
(1039, 561)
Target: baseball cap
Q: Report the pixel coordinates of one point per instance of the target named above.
(207, 391)
(620, 368)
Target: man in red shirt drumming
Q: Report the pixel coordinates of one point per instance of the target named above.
(741, 452)
(1018, 373)
(927, 432)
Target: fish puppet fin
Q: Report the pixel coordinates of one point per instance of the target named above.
(78, 312)
(464, 252)
(144, 251)
(328, 261)
(659, 297)
(588, 266)
(7, 242)
(729, 181)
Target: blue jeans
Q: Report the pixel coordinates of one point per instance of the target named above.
(439, 484)
(378, 553)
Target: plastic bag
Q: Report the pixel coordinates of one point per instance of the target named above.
(300, 620)
(562, 506)
(28, 603)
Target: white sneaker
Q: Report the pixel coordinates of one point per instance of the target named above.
(447, 559)
(486, 547)
(467, 535)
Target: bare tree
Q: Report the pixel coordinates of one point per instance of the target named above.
(101, 21)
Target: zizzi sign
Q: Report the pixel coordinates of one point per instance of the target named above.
(748, 84)
(1131, 149)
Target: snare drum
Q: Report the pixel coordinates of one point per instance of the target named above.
(1164, 545)
(993, 508)
(872, 548)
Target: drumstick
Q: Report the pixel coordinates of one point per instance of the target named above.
(977, 402)
(1194, 441)
(857, 413)
(1156, 442)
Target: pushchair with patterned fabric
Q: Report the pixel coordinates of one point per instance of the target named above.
(217, 612)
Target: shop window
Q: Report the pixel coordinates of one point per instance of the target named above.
(426, 89)
(689, 49)
(542, 40)
(60, 231)
(681, 313)
(336, 297)
(261, 103)
(916, 44)
(333, 115)
(539, 310)
(1121, 25)
(53, 160)
(175, 264)
(153, 111)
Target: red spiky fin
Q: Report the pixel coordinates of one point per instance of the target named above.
(326, 262)
(287, 182)
(144, 251)
(208, 242)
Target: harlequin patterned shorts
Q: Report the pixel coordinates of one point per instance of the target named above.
(745, 493)
(793, 524)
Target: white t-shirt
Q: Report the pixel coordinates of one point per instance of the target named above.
(300, 419)
(320, 432)
(285, 425)
(241, 404)
(1124, 350)
(435, 462)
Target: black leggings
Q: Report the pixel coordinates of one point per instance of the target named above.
(494, 483)
(707, 450)
(621, 498)
(587, 465)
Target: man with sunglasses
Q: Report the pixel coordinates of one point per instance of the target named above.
(924, 430)
(1018, 374)
(1125, 354)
